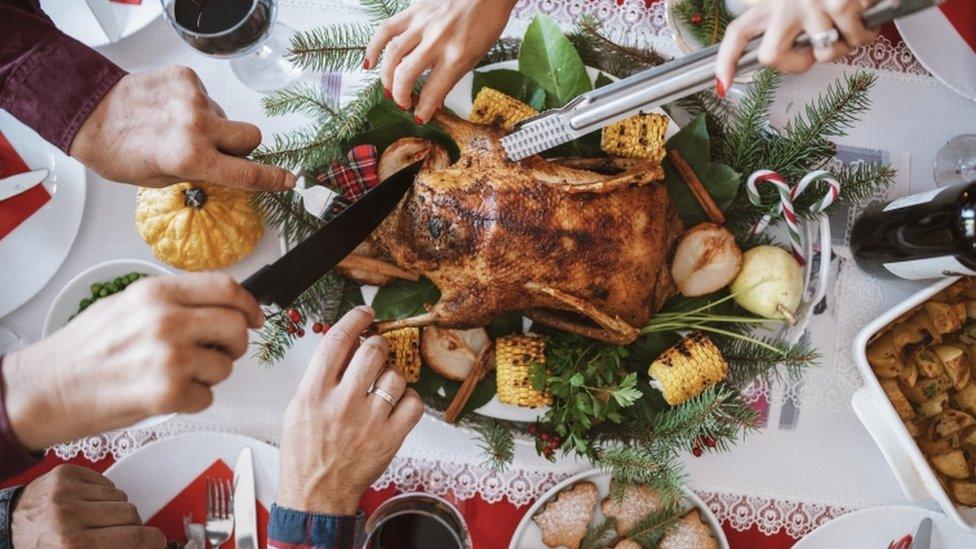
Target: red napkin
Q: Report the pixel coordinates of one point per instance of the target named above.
(193, 501)
(962, 15)
(15, 210)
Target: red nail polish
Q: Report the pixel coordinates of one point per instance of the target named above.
(387, 93)
(366, 64)
(417, 120)
(719, 88)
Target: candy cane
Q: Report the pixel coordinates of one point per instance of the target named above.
(832, 194)
(785, 207)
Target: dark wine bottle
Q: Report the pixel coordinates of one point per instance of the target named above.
(927, 235)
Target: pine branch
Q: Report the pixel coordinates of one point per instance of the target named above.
(748, 362)
(652, 529)
(273, 340)
(712, 19)
(336, 48)
(860, 181)
(302, 99)
(599, 49)
(599, 535)
(718, 413)
(379, 10)
(652, 466)
(285, 213)
(748, 127)
(803, 144)
(304, 147)
(496, 442)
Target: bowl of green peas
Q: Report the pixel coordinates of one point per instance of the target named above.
(95, 283)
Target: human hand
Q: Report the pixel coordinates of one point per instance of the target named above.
(337, 438)
(155, 348)
(76, 507)
(448, 37)
(784, 20)
(160, 127)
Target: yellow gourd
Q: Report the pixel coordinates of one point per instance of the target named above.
(198, 226)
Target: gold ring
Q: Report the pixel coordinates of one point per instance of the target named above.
(390, 399)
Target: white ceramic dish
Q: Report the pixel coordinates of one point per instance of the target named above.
(528, 536)
(914, 475)
(66, 302)
(878, 526)
(35, 250)
(75, 19)
(156, 473)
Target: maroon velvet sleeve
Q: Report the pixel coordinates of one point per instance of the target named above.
(14, 458)
(48, 80)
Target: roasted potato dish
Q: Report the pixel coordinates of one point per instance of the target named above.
(925, 362)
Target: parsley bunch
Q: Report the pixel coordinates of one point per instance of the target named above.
(589, 385)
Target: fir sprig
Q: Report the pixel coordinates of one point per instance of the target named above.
(704, 19)
(652, 466)
(496, 441)
(599, 535)
(302, 99)
(718, 414)
(284, 212)
(748, 363)
(383, 9)
(652, 529)
(747, 134)
(308, 146)
(333, 48)
(599, 49)
(273, 341)
(505, 49)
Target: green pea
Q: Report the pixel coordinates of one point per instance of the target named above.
(104, 291)
(117, 282)
(95, 288)
(85, 302)
(114, 288)
(130, 278)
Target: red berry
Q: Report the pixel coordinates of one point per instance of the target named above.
(710, 442)
(532, 429)
(696, 451)
(545, 436)
(325, 327)
(301, 332)
(317, 327)
(294, 315)
(696, 19)
(291, 329)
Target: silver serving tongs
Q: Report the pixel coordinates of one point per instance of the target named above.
(663, 84)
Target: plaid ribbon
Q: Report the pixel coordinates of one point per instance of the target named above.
(351, 180)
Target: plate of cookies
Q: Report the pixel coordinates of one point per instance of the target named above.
(592, 511)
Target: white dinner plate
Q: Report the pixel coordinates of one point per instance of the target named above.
(879, 526)
(459, 101)
(940, 49)
(33, 252)
(77, 21)
(529, 536)
(156, 473)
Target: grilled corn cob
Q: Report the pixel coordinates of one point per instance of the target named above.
(404, 352)
(687, 368)
(640, 136)
(494, 107)
(514, 356)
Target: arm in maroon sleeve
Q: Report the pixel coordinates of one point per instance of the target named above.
(48, 80)
(14, 458)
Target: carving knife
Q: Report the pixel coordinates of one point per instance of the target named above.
(281, 282)
(245, 513)
(663, 84)
(15, 184)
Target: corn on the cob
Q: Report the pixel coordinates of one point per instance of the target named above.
(640, 136)
(404, 352)
(494, 107)
(687, 368)
(514, 355)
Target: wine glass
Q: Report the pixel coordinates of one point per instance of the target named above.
(244, 31)
(956, 161)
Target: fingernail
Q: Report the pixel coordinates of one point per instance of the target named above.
(719, 88)
(366, 64)
(387, 93)
(366, 309)
(417, 120)
(404, 107)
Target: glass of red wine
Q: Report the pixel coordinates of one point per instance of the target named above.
(416, 521)
(243, 31)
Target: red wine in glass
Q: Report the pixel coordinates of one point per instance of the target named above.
(244, 31)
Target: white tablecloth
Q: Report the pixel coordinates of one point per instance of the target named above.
(791, 476)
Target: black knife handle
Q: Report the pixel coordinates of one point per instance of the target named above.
(260, 285)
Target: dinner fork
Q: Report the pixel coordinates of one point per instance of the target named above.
(220, 515)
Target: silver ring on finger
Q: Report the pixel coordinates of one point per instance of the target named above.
(824, 40)
(390, 399)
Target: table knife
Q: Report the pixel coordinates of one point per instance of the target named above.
(15, 184)
(281, 282)
(663, 84)
(245, 513)
(105, 15)
(923, 536)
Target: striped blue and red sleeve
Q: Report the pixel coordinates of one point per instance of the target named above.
(290, 529)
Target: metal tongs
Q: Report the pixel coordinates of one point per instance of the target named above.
(645, 90)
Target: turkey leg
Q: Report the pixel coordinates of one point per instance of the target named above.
(615, 330)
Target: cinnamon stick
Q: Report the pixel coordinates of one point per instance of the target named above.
(378, 266)
(696, 187)
(476, 374)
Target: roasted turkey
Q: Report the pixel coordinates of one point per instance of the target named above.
(582, 250)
